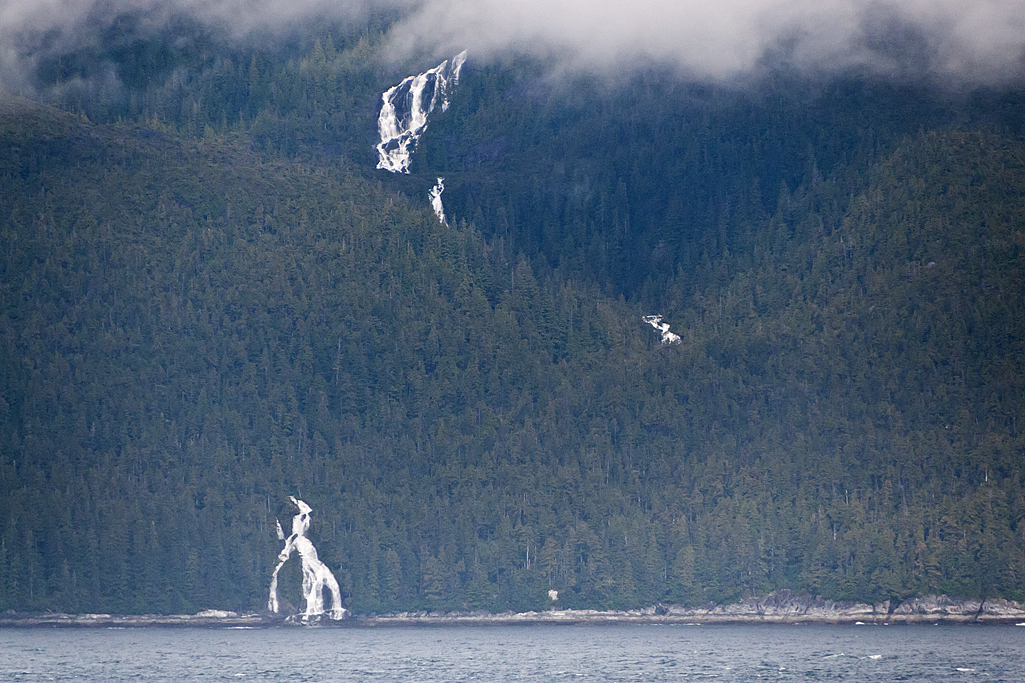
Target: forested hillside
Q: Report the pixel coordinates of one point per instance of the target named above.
(210, 300)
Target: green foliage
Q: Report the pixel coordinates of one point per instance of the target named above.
(317, 98)
(211, 309)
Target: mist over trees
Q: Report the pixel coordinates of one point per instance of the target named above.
(210, 300)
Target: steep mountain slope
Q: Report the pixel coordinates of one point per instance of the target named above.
(200, 320)
(630, 179)
(189, 329)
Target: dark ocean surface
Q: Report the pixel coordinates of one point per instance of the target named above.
(519, 653)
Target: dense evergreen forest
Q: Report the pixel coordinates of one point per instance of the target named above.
(210, 300)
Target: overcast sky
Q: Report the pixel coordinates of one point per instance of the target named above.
(970, 40)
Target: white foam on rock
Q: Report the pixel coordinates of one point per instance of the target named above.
(435, 194)
(457, 67)
(316, 575)
(216, 614)
(667, 336)
(404, 111)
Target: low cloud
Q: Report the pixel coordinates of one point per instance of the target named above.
(34, 31)
(72, 17)
(971, 41)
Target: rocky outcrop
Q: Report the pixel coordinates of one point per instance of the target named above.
(786, 607)
(937, 607)
(206, 618)
(1001, 611)
(781, 607)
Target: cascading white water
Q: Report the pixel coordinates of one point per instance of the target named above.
(667, 336)
(436, 204)
(404, 111)
(316, 575)
(457, 67)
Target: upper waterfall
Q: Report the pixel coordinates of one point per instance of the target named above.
(404, 111)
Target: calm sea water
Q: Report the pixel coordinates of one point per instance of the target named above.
(515, 653)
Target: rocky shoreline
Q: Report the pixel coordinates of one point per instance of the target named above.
(205, 619)
(781, 607)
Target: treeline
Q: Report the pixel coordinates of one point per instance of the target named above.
(196, 325)
(316, 95)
